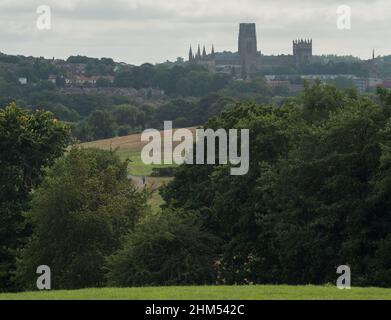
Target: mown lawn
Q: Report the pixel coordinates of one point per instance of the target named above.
(210, 293)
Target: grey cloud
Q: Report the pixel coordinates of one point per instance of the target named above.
(136, 31)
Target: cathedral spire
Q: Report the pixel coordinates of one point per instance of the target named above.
(199, 52)
(204, 52)
(213, 50)
(373, 54)
(191, 57)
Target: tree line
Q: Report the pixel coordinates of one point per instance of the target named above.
(316, 196)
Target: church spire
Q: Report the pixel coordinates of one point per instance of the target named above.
(204, 52)
(213, 50)
(191, 57)
(373, 54)
(199, 52)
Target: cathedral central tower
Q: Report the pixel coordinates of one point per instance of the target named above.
(248, 47)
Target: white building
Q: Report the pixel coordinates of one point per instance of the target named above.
(22, 80)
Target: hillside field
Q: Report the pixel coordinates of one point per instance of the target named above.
(210, 293)
(130, 147)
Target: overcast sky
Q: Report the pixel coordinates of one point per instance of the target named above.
(138, 31)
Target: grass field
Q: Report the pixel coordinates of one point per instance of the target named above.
(129, 147)
(210, 293)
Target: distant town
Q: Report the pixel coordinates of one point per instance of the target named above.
(79, 74)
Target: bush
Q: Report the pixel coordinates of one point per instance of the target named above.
(166, 249)
(124, 131)
(163, 172)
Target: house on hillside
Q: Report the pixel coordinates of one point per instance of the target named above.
(82, 80)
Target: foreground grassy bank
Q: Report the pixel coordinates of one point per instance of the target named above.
(210, 293)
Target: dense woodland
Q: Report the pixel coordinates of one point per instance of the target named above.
(317, 196)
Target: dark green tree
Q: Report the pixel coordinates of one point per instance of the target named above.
(316, 195)
(80, 215)
(101, 125)
(28, 143)
(169, 248)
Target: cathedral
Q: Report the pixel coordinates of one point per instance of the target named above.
(248, 60)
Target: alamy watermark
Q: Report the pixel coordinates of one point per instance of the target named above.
(344, 21)
(345, 280)
(156, 152)
(44, 281)
(44, 20)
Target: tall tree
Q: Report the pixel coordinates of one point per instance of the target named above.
(80, 214)
(28, 142)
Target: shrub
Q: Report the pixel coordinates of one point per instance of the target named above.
(169, 248)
